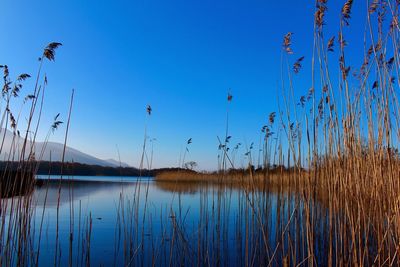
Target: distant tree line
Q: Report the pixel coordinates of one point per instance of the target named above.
(75, 168)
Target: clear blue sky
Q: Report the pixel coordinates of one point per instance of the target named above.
(181, 57)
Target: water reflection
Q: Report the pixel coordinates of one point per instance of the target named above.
(144, 222)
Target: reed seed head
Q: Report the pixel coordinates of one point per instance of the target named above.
(50, 51)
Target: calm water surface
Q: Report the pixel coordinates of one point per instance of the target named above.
(114, 221)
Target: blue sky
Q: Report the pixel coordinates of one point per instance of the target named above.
(181, 57)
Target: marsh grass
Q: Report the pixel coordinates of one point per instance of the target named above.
(345, 133)
(17, 178)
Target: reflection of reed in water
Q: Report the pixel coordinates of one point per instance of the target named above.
(180, 187)
(231, 225)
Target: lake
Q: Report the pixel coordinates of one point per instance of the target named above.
(114, 221)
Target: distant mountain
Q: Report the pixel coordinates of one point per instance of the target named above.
(51, 152)
(117, 163)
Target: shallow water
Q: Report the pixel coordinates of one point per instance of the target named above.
(130, 221)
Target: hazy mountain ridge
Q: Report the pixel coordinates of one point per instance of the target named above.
(52, 152)
(118, 163)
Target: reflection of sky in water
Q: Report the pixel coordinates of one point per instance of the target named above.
(101, 200)
(190, 203)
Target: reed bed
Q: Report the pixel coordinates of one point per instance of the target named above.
(344, 132)
(243, 178)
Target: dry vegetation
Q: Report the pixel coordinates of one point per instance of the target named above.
(345, 132)
(259, 179)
